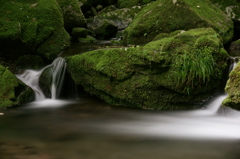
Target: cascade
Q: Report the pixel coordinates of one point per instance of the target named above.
(31, 78)
(213, 106)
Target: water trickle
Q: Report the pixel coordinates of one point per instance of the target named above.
(31, 78)
(213, 106)
(58, 72)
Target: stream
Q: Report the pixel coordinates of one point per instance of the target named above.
(88, 128)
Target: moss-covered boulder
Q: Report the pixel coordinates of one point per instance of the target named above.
(119, 17)
(8, 83)
(165, 16)
(72, 14)
(170, 73)
(34, 26)
(13, 91)
(233, 89)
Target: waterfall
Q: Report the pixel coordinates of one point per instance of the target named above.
(213, 106)
(31, 78)
(58, 72)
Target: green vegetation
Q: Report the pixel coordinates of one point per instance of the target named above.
(36, 24)
(8, 82)
(164, 16)
(163, 74)
(232, 88)
(230, 7)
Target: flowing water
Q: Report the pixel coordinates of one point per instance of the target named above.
(87, 128)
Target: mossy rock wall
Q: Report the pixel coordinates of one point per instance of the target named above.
(34, 26)
(165, 16)
(170, 73)
(233, 89)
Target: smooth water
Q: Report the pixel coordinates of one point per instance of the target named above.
(88, 128)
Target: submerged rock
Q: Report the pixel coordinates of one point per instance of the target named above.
(170, 73)
(34, 27)
(165, 16)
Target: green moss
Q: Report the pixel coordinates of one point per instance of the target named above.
(7, 84)
(38, 24)
(148, 77)
(232, 88)
(230, 7)
(164, 16)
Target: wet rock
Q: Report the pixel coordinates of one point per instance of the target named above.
(103, 28)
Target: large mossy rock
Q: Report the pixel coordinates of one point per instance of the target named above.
(72, 14)
(13, 91)
(34, 26)
(170, 73)
(165, 16)
(8, 83)
(233, 89)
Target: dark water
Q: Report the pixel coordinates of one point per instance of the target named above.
(90, 129)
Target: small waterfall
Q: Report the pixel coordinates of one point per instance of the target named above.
(213, 106)
(58, 71)
(31, 78)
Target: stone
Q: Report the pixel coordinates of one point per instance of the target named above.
(165, 16)
(173, 73)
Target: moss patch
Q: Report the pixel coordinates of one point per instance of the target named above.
(148, 77)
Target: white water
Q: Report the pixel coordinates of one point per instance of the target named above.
(31, 78)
